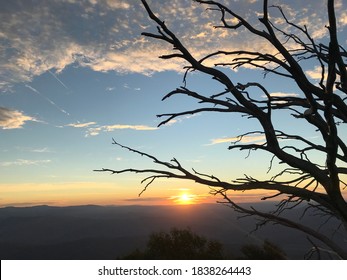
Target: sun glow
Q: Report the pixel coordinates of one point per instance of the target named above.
(184, 198)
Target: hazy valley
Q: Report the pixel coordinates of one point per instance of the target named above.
(110, 232)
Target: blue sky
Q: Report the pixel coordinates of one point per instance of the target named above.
(75, 74)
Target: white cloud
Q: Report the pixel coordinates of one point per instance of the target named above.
(96, 130)
(343, 19)
(23, 162)
(200, 35)
(316, 73)
(171, 122)
(116, 4)
(135, 61)
(12, 119)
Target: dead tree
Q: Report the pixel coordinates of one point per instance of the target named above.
(320, 105)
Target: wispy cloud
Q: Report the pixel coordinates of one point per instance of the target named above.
(120, 5)
(171, 122)
(127, 126)
(343, 20)
(81, 125)
(283, 94)
(315, 74)
(42, 150)
(128, 87)
(244, 139)
(23, 162)
(93, 131)
(35, 150)
(181, 119)
(12, 119)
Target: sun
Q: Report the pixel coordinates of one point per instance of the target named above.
(185, 198)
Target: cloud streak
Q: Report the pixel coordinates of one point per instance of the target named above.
(127, 126)
(24, 162)
(81, 125)
(94, 131)
(283, 94)
(42, 150)
(245, 139)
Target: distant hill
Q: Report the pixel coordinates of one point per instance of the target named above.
(110, 232)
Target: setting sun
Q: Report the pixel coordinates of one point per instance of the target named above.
(185, 198)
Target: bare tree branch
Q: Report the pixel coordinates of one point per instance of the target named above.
(283, 221)
(304, 178)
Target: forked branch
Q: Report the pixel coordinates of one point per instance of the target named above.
(321, 107)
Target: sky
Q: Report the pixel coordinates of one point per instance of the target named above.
(74, 74)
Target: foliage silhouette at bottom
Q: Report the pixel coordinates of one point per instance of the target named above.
(183, 244)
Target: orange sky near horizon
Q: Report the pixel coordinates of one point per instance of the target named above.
(84, 193)
(91, 193)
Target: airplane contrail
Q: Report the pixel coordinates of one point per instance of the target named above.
(60, 81)
(47, 99)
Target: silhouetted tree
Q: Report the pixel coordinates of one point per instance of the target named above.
(179, 244)
(268, 251)
(321, 106)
